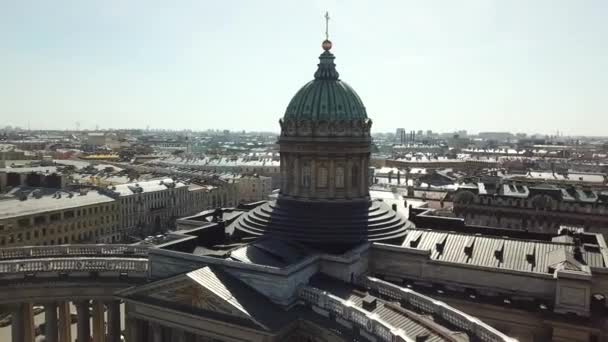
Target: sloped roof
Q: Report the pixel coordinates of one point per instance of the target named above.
(497, 252)
(269, 252)
(213, 292)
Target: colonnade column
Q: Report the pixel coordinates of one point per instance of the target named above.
(22, 323)
(364, 174)
(313, 178)
(156, 331)
(178, 335)
(331, 178)
(297, 180)
(132, 329)
(284, 165)
(50, 322)
(348, 177)
(17, 323)
(98, 321)
(113, 321)
(84, 327)
(65, 322)
(28, 322)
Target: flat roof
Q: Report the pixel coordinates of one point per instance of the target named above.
(147, 186)
(14, 207)
(35, 169)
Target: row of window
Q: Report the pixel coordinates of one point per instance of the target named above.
(55, 217)
(82, 236)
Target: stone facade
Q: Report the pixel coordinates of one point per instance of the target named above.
(312, 168)
(543, 210)
(82, 219)
(153, 206)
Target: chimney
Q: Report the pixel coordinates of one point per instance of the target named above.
(369, 303)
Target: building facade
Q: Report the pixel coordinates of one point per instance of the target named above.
(42, 176)
(253, 188)
(541, 207)
(35, 219)
(151, 207)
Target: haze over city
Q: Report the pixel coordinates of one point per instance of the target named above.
(325, 171)
(521, 66)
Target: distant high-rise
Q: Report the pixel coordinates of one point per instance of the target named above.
(400, 136)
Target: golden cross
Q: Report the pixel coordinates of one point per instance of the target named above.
(326, 25)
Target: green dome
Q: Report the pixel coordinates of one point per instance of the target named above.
(326, 98)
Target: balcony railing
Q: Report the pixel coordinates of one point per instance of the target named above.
(368, 323)
(459, 319)
(72, 250)
(69, 265)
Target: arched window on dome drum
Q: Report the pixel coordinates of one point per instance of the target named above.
(339, 177)
(322, 177)
(355, 176)
(306, 174)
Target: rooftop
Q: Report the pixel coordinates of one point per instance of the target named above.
(269, 252)
(146, 187)
(14, 207)
(500, 251)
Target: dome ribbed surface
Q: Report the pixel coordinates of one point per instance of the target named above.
(326, 98)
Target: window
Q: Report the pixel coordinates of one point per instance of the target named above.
(55, 217)
(322, 177)
(40, 220)
(306, 175)
(339, 177)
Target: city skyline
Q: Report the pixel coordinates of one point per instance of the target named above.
(476, 65)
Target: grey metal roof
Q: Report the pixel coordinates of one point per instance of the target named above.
(146, 187)
(269, 252)
(250, 305)
(519, 255)
(14, 207)
(411, 323)
(219, 284)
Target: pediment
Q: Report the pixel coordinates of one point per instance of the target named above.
(192, 294)
(206, 289)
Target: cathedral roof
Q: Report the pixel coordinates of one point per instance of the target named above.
(326, 98)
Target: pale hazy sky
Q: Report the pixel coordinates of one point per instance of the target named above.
(480, 65)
